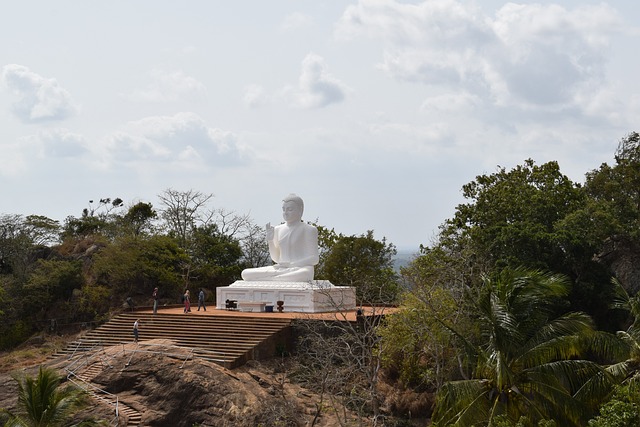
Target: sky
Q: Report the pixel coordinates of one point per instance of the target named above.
(375, 112)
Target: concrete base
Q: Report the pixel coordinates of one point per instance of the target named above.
(316, 296)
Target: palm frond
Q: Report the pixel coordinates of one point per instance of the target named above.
(462, 403)
(621, 299)
(43, 402)
(530, 362)
(612, 347)
(561, 348)
(599, 384)
(561, 338)
(549, 398)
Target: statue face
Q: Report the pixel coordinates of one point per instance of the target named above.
(291, 212)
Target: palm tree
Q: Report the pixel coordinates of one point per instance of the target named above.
(42, 402)
(528, 363)
(628, 353)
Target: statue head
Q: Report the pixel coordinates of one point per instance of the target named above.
(292, 208)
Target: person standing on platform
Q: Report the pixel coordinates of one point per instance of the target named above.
(135, 330)
(155, 300)
(187, 302)
(201, 300)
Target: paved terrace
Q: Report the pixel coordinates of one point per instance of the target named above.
(227, 337)
(347, 315)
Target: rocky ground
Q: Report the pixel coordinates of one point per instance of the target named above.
(166, 393)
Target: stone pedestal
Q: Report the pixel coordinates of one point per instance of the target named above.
(316, 296)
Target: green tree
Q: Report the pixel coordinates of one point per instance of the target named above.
(139, 218)
(215, 257)
(616, 190)
(416, 347)
(95, 220)
(43, 231)
(511, 215)
(23, 244)
(536, 217)
(133, 266)
(23, 241)
(420, 351)
(42, 402)
(52, 281)
(614, 213)
(362, 262)
(627, 353)
(602, 238)
(622, 410)
(15, 246)
(527, 361)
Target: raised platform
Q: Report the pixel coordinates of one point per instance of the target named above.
(316, 296)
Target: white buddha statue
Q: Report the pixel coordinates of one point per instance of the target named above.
(293, 247)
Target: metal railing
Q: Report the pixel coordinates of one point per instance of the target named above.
(97, 393)
(195, 352)
(96, 352)
(86, 358)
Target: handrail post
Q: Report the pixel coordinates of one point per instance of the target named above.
(117, 411)
(187, 358)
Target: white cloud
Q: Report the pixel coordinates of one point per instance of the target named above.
(170, 138)
(451, 102)
(552, 53)
(582, 28)
(255, 96)
(409, 138)
(460, 87)
(527, 56)
(316, 87)
(295, 20)
(63, 143)
(39, 98)
(169, 86)
(36, 153)
(13, 160)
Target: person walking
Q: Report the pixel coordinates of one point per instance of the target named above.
(155, 300)
(135, 330)
(201, 300)
(187, 302)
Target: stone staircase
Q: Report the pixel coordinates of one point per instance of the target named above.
(84, 379)
(227, 340)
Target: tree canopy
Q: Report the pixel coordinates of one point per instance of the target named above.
(510, 314)
(362, 262)
(527, 361)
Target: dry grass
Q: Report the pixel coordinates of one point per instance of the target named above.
(33, 352)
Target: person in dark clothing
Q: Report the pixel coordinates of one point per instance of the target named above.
(201, 300)
(155, 300)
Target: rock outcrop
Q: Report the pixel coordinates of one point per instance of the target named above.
(167, 391)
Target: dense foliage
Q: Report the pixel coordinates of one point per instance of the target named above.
(525, 361)
(359, 261)
(44, 402)
(523, 311)
(525, 356)
(54, 276)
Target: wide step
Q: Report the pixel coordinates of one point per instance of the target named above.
(227, 340)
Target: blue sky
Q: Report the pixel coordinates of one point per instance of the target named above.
(376, 112)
